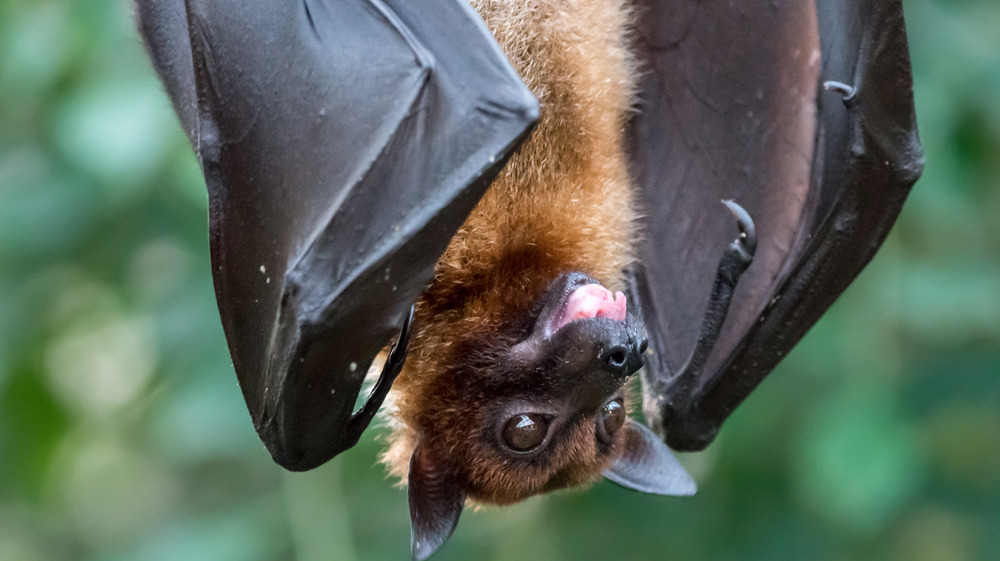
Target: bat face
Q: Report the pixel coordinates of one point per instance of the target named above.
(530, 407)
(541, 409)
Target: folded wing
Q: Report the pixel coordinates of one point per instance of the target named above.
(342, 143)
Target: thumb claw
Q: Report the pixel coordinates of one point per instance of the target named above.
(748, 232)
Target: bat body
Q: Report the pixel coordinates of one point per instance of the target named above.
(492, 343)
(373, 177)
(563, 204)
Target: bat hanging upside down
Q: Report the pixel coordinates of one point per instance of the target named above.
(372, 174)
(523, 342)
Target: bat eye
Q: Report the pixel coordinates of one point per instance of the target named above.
(525, 432)
(612, 418)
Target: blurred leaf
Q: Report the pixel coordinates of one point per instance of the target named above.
(109, 492)
(951, 302)
(857, 463)
(38, 40)
(117, 132)
(933, 534)
(963, 441)
(245, 534)
(44, 212)
(31, 424)
(202, 422)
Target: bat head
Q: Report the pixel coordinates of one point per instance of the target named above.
(535, 408)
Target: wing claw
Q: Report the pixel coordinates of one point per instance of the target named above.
(846, 91)
(748, 232)
(392, 367)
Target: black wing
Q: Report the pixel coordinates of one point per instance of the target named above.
(343, 143)
(733, 106)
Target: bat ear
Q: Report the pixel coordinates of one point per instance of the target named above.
(647, 465)
(435, 503)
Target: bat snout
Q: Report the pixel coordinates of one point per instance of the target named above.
(623, 359)
(596, 357)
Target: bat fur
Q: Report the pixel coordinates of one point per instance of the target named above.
(563, 203)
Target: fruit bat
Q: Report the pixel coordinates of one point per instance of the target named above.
(523, 200)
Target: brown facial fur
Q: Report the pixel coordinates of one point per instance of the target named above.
(562, 203)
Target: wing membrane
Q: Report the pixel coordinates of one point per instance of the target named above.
(342, 143)
(733, 108)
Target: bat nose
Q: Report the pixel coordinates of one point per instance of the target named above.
(623, 359)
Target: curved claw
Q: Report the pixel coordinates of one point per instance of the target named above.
(748, 232)
(846, 91)
(397, 354)
(392, 367)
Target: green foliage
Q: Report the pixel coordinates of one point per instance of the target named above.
(123, 433)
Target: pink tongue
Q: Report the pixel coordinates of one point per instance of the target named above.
(593, 301)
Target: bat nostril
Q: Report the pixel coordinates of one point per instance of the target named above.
(643, 345)
(616, 357)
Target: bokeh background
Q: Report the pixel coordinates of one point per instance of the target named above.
(123, 435)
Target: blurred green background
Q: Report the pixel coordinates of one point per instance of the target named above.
(123, 435)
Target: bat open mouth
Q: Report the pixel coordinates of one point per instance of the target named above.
(576, 296)
(583, 329)
(592, 301)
